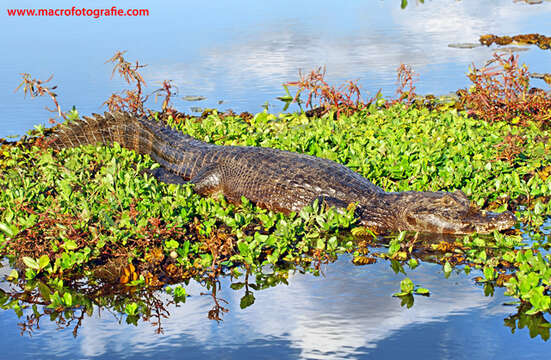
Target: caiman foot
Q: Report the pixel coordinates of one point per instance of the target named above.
(165, 176)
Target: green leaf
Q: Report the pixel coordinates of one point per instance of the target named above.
(180, 293)
(68, 299)
(31, 263)
(171, 244)
(489, 273)
(9, 230)
(14, 275)
(237, 286)
(422, 291)
(406, 285)
(243, 248)
(131, 309)
(247, 300)
(70, 245)
(43, 261)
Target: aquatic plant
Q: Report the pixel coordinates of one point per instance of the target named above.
(501, 92)
(36, 88)
(542, 41)
(134, 100)
(345, 99)
(95, 210)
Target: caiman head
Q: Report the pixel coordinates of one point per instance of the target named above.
(445, 213)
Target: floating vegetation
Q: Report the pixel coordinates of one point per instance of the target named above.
(530, 2)
(544, 77)
(512, 49)
(194, 98)
(542, 41)
(464, 45)
(501, 92)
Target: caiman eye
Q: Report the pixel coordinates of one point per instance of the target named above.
(461, 194)
(448, 200)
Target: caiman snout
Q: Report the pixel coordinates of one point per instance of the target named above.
(495, 221)
(448, 213)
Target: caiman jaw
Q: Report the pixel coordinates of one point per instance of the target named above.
(481, 222)
(447, 213)
(493, 221)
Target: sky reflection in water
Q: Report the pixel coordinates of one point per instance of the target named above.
(347, 313)
(242, 54)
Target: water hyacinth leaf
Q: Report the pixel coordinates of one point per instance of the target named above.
(131, 309)
(237, 286)
(10, 230)
(247, 300)
(70, 245)
(31, 263)
(406, 285)
(397, 267)
(447, 268)
(13, 275)
(422, 291)
(243, 248)
(489, 273)
(68, 299)
(407, 301)
(394, 247)
(43, 261)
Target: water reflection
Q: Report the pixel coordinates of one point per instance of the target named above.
(245, 55)
(349, 312)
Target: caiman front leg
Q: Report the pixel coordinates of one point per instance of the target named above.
(328, 201)
(208, 180)
(341, 206)
(165, 176)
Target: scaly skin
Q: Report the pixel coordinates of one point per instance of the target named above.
(281, 180)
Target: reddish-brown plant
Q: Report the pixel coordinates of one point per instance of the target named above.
(500, 92)
(511, 146)
(168, 90)
(36, 88)
(344, 99)
(134, 100)
(406, 88)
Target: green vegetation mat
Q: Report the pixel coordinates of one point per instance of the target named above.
(76, 222)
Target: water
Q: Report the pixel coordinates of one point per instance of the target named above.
(241, 54)
(348, 313)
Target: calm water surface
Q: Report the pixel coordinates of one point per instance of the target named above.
(348, 313)
(241, 54)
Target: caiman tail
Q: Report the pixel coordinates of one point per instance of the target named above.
(130, 132)
(144, 136)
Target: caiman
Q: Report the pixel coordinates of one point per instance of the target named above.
(280, 180)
